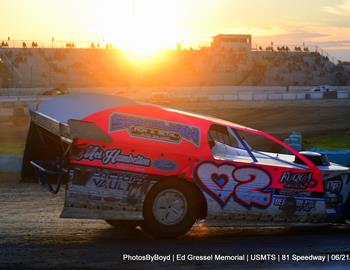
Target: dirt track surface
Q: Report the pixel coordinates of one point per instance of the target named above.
(32, 236)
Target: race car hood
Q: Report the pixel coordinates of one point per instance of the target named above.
(328, 171)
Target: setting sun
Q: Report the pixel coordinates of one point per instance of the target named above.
(140, 28)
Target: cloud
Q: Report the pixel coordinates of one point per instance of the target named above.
(341, 54)
(333, 44)
(292, 37)
(342, 8)
(337, 15)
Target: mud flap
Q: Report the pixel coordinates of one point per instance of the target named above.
(40, 145)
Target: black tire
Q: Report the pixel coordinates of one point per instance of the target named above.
(182, 192)
(346, 214)
(124, 224)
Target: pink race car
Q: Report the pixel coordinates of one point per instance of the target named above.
(136, 164)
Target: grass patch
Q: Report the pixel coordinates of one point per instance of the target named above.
(11, 148)
(338, 141)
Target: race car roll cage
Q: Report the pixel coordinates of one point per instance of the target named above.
(247, 148)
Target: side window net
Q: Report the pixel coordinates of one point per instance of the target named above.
(220, 134)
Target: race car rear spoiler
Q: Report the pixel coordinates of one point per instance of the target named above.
(48, 143)
(51, 125)
(75, 129)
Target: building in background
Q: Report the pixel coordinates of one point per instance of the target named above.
(232, 42)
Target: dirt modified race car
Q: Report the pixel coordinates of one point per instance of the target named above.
(136, 164)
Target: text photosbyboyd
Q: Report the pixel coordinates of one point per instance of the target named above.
(257, 257)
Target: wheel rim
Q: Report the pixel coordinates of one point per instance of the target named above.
(169, 207)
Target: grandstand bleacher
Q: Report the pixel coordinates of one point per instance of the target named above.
(208, 66)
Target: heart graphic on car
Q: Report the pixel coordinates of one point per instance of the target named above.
(221, 180)
(217, 180)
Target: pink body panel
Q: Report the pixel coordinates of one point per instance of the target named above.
(142, 149)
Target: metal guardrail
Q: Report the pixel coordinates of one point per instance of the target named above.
(243, 96)
(23, 98)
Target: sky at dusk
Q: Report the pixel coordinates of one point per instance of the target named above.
(152, 25)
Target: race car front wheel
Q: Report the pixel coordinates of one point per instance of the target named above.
(170, 209)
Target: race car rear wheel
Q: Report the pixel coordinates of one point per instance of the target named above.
(170, 209)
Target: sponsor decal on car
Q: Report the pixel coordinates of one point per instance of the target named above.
(157, 134)
(333, 188)
(164, 165)
(155, 129)
(111, 156)
(112, 186)
(301, 205)
(302, 181)
(94, 198)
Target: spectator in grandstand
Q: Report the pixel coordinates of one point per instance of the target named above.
(70, 45)
(269, 48)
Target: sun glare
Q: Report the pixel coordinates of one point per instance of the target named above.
(140, 28)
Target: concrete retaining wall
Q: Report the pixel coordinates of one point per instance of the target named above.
(171, 89)
(316, 95)
(260, 96)
(10, 163)
(290, 96)
(275, 96)
(343, 95)
(231, 97)
(245, 96)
